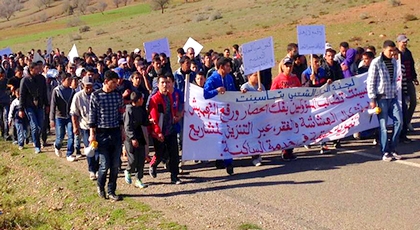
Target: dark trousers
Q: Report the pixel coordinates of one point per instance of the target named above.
(136, 158)
(109, 149)
(170, 144)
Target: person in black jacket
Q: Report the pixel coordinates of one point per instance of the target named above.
(33, 101)
(135, 117)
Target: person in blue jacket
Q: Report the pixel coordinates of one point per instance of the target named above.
(218, 83)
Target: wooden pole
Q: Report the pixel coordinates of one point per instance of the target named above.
(259, 81)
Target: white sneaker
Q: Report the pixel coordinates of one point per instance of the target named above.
(20, 147)
(92, 176)
(257, 162)
(386, 157)
(71, 158)
(58, 152)
(396, 156)
(78, 156)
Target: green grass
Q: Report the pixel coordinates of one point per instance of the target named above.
(92, 20)
(249, 227)
(38, 192)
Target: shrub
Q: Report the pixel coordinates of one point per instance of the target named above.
(84, 29)
(215, 15)
(75, 37)
(43, 17)
(410, 17)
(364, 16)
(394, 2)
(199, 18)
(74, 21)
(100, 31)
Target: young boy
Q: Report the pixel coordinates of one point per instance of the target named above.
(20, 123)
(252, 85)
(134, 117)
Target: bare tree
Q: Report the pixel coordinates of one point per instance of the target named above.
(159, 4)
(82, 6)
(42, 3)
(9, 8)
(102, 6)
(125, 2)
(117, 3)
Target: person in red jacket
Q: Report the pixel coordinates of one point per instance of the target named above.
(286, 79)
(162, 130)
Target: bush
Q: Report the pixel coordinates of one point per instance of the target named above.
(394, 2)
(43, 17)
(199, 18)
(364, 16)
(75, 37)
(215, 15)
(100, 31)
(74, 21)
(84, 29)
(410, 17)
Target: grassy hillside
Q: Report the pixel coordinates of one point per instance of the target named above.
(219, 23)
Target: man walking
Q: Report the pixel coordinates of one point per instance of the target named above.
(382, 90)
(162, 129)
(410, 72)
(79, 111)
(61, 97)
(33, 101)
(105, 119)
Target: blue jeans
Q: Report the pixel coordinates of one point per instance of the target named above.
(389, 108)
(20, 126)
(63, 126)
(36, 120)
(109, 149)
(93, 162)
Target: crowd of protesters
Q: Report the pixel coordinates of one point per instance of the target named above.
(125, 103)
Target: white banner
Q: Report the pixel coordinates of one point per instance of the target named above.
(237, 125)
(311, 39)
(157, 46)
(258, 55)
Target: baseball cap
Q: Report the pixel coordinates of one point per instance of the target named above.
(79, 71)
(136, 50)
(122, 61)
(287, 61)
(86, 80)
(328, 46)
(402, 38)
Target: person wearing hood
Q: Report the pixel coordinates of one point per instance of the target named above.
(348, 62)
(7, 69)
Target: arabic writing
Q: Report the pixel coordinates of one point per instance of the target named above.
(258, 55)
(260, 122)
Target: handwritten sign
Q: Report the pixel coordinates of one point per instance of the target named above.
(6, 51)
(311, 39)
(157, 46)
(194, 44)
(240, 125)
(258, 55)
